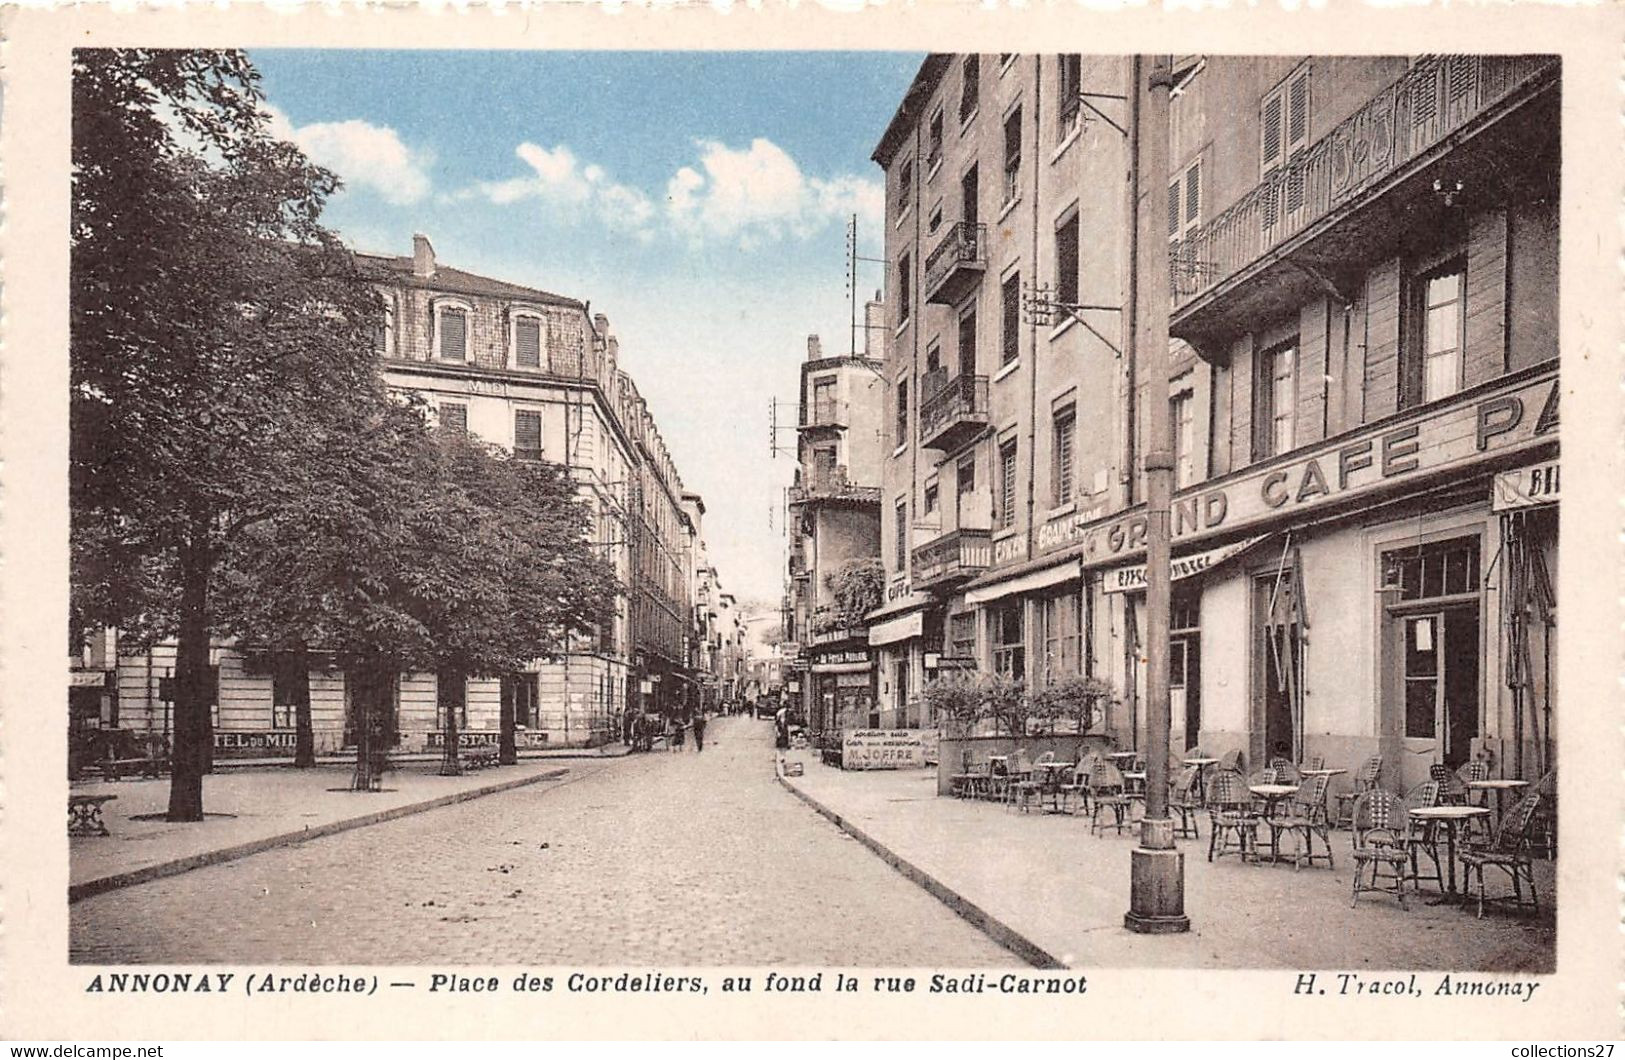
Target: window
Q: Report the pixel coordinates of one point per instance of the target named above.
(905, 186)
(1010, 347)
(900, 515)
(933, 359)
(1185, 202)
(454, 417)
(1275, 394)
(902, 411)
(1448, 568)
(1433, 349)
(519, 695)
(527, 434)
(383, 337)
(1284, 120)
(1007, 484)
(905, 280)
(970, 78)
(935, 221)
(290, 688)
(933, 142)
(823, 401)
(1009, 648)
(931, 498)
(1012, 156)
(527, 341)
(1182, 421)
(1063, 634)
(1069, 93)
(1066, 261)
(967, 346)
(962, 636)
(451, 332)
(969, 195)
(451, 694)
(1061, 475)
(964, 489)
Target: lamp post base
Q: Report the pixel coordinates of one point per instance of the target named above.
(1157, 890)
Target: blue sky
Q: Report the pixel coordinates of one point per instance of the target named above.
(698, 199)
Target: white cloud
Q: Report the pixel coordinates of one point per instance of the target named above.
(759, 194)
(560, 181)
(363, 154)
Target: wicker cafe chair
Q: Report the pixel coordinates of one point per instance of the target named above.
(998, 781)
(1381, 854)
(1477, 830)
(1304, 819)
(1106, 789)
(963, 783)
(1184, 803)
(1422, 838)
(1232, 762)
(1032, 784)
(1509, 852)
(1285, 771)
(1021, 768)
(1452, 791)
(1230, 815)
(1076, 790)
(1315, 762)
(1364, 778)
(1543, 833)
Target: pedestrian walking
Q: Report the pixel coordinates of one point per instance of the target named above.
(675, 735)
(699, 733)
(781, 723)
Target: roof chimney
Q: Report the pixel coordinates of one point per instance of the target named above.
(600, 324)
(815, 348)
(422, 256)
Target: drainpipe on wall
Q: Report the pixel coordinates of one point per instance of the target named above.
(1032, 366)
(1130, 316)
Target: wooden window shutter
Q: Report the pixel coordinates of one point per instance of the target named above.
(1193, 195)
(454, 334)
(527, 342)
(1173, 210)
(1263, 403)
(1298, 113)
(527, 434)
(454, 416)
(1272, 147)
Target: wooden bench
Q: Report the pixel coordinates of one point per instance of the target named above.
(478, 757)
(85, 814)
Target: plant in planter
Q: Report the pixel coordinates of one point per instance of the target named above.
(1070, 698)
(1008, 703)
(959, 699)
(859, 587)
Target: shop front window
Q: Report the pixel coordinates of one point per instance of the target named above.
(1433, 608)
(1009, 646)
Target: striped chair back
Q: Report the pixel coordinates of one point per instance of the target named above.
(1513, 831)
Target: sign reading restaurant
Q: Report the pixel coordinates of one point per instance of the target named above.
(1518, 417)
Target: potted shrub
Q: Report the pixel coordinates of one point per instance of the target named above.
(1007, 703)
(1070, 698)
(958, 698)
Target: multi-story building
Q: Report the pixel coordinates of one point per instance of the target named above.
(532, 372)
(834, 528)
(1362, 387)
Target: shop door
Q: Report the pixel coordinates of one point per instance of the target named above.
(1441, 680)
(1278, 668)
(1185, 667)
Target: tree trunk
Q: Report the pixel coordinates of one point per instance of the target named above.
(304, 739)
(449, 704)
(189, 759)
(370, 739)
(507, 752)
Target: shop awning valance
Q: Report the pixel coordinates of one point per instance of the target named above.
(841, 668)
(907, 627)
(1039, 579)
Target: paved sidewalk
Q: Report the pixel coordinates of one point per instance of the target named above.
(1058, 891)
(248, 810)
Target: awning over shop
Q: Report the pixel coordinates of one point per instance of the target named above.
(907, 627)
(1039, 579)
(911, 601)
(1132, 577)
(841, 668)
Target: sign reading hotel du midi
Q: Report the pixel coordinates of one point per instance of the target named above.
(1517, 414)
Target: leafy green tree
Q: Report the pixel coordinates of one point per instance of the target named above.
(858, 588)
(216, 333)
(959, 697)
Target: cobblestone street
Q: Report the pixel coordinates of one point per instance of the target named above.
(664, 859)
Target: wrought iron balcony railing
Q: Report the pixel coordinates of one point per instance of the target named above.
(956, 263)
(1439, 96)
(953, 410)
(957, 554)
(831, 484)
(824, 414)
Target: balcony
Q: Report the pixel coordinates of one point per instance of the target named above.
(956, 264)
(1346, 202)
(953, 410)
(831, 485)
(953, 557)
(798, 566)
(823, 414)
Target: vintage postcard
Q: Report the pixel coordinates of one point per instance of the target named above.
(797, 523)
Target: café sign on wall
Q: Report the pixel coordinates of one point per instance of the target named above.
(1520, 416)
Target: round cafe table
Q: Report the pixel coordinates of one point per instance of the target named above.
(1271, 794)
(1050, 782)
(1322, 772)
(1451, 817)
(1201, 765)
(1499, 786)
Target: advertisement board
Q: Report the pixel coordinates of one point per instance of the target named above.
(883, 749)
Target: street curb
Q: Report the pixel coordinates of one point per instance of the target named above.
(981, 919)
(147, 873)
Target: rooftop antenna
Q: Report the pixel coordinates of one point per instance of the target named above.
(774, 427)
(852, 259)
